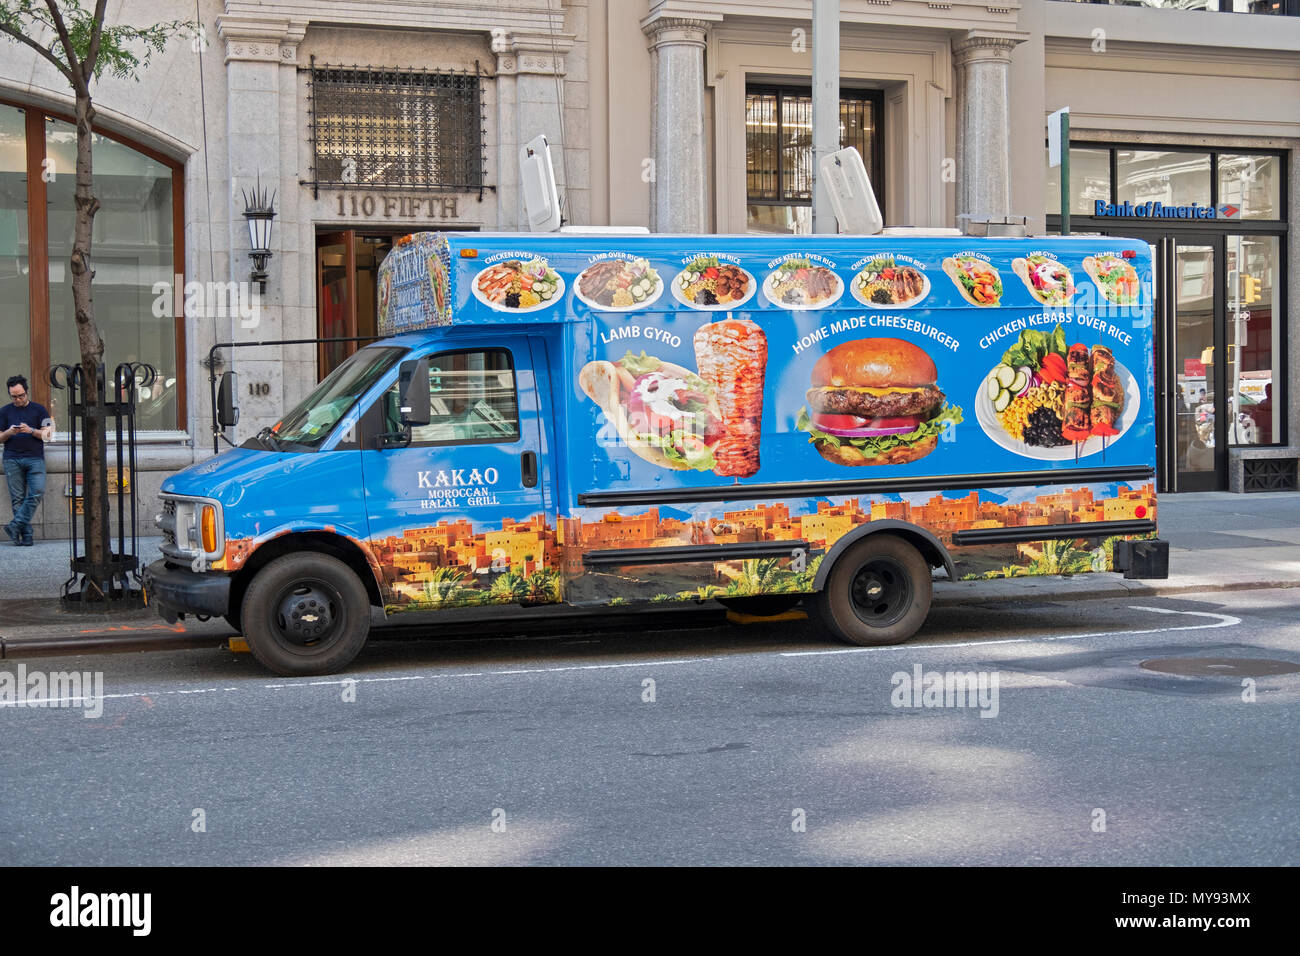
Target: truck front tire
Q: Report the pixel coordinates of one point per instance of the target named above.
(877, 593)
(306, 614)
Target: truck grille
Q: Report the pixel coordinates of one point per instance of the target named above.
(168, 525)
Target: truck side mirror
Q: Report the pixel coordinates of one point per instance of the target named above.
(413, 392)
(227, 403)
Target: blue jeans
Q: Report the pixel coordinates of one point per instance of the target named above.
(26, 477)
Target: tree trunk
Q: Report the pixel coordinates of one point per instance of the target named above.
(95, 465)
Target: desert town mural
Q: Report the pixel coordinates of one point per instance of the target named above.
(454, 563)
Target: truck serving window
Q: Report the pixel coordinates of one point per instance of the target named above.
(471, 397)
(316, 415)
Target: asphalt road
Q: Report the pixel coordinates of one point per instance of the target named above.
(764, 744)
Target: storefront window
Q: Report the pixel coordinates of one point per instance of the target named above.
(1226, 284)
(1252, 182)
(132, 249)
(1172, 178)
(1254, 336)
(1089, 182)
(15, 336)
(778, 154)
(1267, 7)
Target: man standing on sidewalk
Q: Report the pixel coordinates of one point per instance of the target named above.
(25, 427)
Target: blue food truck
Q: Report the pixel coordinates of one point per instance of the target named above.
(622, 419)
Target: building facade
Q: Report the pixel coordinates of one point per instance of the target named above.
(369, 120)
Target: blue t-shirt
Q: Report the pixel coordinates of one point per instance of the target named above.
(23, 446)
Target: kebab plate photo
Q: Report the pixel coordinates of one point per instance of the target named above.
(1076, 426)
(1107, 395)
(1094, 398)
(1045, 396)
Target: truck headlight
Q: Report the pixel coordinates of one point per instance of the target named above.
(209, 524)
(191, 527)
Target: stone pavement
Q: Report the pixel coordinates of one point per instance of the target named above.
(1217, 540)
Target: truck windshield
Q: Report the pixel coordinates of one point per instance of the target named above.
(317, 414)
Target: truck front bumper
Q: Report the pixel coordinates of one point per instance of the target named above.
(177, 591)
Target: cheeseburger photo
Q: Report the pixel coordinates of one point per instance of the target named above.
(875, 402)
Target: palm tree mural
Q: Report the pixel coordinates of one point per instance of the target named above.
(1059, 557)
(702, 593)
(1107, 550)
(804, 581)
(508, 587)
(544, 586)
(757, 576)
(445, 586)
(1006, 571)
(769, 576)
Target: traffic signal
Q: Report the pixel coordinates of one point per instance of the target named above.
(1250, 289)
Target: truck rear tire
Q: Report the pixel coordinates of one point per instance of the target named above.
(306, 614)
(877, 593)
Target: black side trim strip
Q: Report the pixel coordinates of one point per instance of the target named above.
(826, 489)
(1047, 532)
(693, 552)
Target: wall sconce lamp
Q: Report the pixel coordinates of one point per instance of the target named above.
(259, 211)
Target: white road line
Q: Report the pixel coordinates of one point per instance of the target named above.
(366, 680)
(1221, 620)
(134, 694)
(384, 680)
(526, 670)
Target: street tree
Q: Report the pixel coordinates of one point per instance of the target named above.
(76, 42)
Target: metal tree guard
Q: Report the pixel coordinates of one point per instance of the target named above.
(113, 584)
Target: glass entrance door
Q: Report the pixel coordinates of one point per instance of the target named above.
(347, 265)
(1192, 400)
(1197, 402)
(335, 298)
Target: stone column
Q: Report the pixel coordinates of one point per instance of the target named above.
(530, 77)
(262, 117)
(983, 60)
(677, 188)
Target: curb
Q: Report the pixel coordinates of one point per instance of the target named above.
(988, 592)
(11, 649)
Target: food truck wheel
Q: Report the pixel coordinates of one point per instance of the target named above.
(878, 592)
(306, 614)
(761, 605)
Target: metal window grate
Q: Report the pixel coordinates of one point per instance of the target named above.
(379, 127)
(1269, 474)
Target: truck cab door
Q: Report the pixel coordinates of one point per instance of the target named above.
(458, 516)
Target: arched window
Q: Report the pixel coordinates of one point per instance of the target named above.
(137, 249)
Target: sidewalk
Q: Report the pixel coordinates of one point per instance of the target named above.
(39, 571)
(1218, 541)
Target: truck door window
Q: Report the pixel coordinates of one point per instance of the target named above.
(472, 399)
